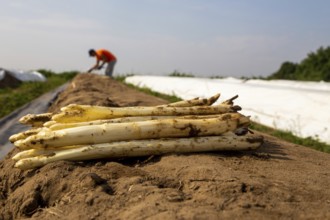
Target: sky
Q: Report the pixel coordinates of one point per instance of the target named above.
(200, 37)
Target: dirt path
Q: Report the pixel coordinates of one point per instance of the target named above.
(9, 124)
(278, 181)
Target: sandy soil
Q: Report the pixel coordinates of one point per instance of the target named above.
(278, 181)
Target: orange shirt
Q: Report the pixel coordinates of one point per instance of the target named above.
(104, 55)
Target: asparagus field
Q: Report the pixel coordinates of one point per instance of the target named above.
(277, 180)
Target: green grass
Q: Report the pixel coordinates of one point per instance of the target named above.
(13, 98)
(284, 135)
(170, 98)
(288, 136)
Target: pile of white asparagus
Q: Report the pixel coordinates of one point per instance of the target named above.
(84, 132)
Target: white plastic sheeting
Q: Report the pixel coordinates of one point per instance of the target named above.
(300, 107)
(2, 74)
(24, 76)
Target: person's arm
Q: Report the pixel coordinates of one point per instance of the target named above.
(94, 67)
(101, 65)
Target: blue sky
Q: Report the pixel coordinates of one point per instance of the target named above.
(202, 37)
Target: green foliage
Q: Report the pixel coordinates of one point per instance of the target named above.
(46, 73)
(286, 71)
(217, 77)
(257, 77)
(176, 73)
(315, 67)
(121, 78)
(170, 98)
(288, 136)
(65, 75)
(11, 99)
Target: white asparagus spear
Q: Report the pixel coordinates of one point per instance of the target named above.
(230, 101)
(38, 152)
(59, 126)
(24, 134)
(46, 152)
(144, 148)
(39, 120)
(36, 120)
(78, 113)
(194, 102)
(49, 123)
(162, 128)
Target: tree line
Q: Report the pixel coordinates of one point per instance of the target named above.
(315, 67)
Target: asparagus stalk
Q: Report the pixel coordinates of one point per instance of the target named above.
(162, 128)
(59, 126)
(195, 102)
(39, 120)
(230, 101)
(39, 152)
(25, 134)
(49, 123)
(36, 120)
(143, 148)
(78, 113)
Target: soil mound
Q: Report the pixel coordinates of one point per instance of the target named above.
(91, 89)
(278, 181)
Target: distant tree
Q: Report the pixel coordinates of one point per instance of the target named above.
(286, 71)
(326, 72)
(315, 67)
(176, 73)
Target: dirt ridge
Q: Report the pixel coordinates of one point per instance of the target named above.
(278, 181)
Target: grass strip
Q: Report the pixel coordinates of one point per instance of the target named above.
(13, 98)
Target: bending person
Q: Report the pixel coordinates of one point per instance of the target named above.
(103, 57)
